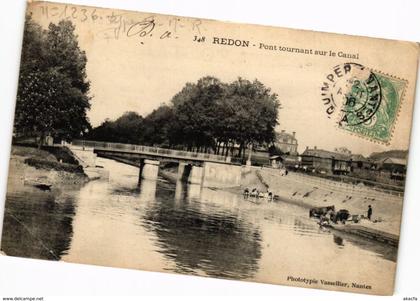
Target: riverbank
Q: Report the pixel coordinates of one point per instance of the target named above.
(33, 166)
(308, 191)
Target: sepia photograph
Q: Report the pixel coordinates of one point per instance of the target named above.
(199, 147)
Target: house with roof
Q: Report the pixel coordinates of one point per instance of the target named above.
(286, 142)
(285, 154)
(396, 167)
(323, 161)
(390, 163)
(359, 162)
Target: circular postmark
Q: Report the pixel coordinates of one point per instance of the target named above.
(351, 94)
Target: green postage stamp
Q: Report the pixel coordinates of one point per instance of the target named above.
(362, 101)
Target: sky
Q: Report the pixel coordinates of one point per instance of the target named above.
(131, 72)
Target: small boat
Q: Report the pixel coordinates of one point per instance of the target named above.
(43, 187)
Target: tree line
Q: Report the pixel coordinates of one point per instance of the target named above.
(206, 116)
(52, 97)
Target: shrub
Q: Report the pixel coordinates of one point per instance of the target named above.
(53, 165)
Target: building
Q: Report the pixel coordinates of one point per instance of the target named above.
(343, 150)
(393, 164)
(286, 143)
(360, 163)
(388, 169)
(291, 162)
(327, 162)
(396, 167)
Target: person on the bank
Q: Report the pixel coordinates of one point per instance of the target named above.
(369, 212)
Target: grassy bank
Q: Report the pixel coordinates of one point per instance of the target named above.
(31, 165)
(53, 165)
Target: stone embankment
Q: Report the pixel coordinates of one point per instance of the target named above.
(310, 191)
(87, 159)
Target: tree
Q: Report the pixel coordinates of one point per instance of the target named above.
(128, 128)
(255, 113)
(159, 127)
(43, 105)
(205, 116)
(52, 96)
(223, 116)
(196, 112)
(63, 52)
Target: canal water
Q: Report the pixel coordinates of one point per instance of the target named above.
(160, 226)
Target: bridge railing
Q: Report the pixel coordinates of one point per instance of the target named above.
(148, 150)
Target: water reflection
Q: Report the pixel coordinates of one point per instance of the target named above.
(305, 228)
(38, 224)
(147, 190)
(183, 190)
(202, 239)
(184, 228)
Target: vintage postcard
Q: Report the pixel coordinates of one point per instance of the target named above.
(200, 147)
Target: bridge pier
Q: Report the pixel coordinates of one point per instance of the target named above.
(185, 190)
(149, 169)
(184, 170)
(190, 173)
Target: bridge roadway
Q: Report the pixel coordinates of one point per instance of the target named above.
(150, 152)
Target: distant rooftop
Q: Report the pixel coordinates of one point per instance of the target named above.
(283, 134)
(340, 155)
(397, 161)
(321, 153)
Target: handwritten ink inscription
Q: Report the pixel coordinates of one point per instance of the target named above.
(113, 24)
